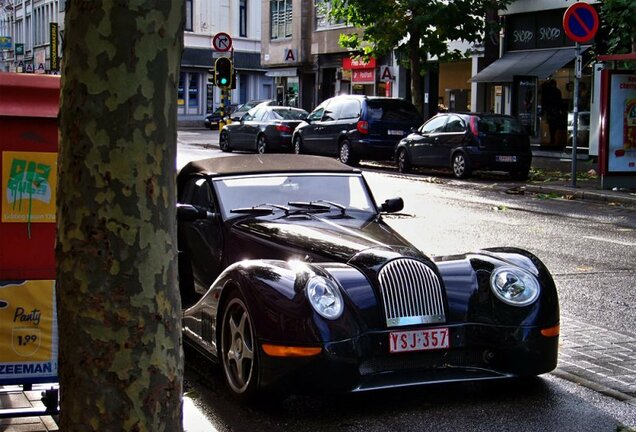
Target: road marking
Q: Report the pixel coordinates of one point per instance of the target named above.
(622, 243)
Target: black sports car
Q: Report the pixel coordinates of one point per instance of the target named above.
(294, 281)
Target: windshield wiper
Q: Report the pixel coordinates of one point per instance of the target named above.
(260, 209)
(320, 205)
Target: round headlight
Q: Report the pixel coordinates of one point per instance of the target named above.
(324, 296)
(514, 286)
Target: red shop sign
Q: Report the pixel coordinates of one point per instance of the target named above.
(363, 76)
(349, 63)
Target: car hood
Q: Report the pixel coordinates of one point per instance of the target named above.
(324, 238)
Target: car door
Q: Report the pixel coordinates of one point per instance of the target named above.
(203, 238)
(311, 132)
(244, 133)
(422, 150)
(332, 127)
(449, 139)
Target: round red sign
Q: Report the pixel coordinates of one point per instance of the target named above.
(222, 42)
(580, 22)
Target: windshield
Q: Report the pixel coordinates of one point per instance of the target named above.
(248, 191)
(289, 114)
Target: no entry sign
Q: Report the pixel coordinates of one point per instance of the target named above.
(580, 22)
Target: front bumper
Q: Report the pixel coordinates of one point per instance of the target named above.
(476, 352)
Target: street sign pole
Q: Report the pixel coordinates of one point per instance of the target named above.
(575, 110)
(580, 23)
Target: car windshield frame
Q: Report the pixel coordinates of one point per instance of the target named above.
(247, 191)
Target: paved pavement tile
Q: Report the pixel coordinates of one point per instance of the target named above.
(601, 357)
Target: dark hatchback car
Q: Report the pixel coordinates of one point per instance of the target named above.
(262, 129)
(468, 142)
(354, 127)
(294, 282)
(212, 120)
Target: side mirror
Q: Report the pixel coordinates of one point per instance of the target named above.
(189, 213)
(392, 205)
(416, 131)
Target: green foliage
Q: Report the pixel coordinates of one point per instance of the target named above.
(424, 26)
(619, 20)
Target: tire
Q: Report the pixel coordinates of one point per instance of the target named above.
(298, 145)
(239, 353)
(224, 143)
(261, 144)
(345, 153)
(403, 161)
(521, 175)
(460, 165)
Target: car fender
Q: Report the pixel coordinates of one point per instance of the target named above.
(470, 297)
(274, 292)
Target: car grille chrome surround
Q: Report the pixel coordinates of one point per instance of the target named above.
(411, 293)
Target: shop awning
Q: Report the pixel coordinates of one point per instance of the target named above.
(539, 63)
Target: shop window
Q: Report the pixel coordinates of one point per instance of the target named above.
(280, 18)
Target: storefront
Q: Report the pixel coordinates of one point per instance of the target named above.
(534, 78)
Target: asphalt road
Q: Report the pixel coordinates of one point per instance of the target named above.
(590, 249)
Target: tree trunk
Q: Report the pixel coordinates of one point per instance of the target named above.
(416, 67)
(119, 312)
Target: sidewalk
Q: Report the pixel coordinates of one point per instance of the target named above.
(14, 398)
(555, 168)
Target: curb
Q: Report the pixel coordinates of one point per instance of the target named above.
(585, 194)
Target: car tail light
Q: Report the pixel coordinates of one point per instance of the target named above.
(473, 126)
(283, 128)
(362, 127)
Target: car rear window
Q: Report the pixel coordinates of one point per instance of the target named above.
(499, 125)
(392, 110)
(288, 114)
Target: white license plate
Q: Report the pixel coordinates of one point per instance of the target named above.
(395, 132)
(418, 340)
(506, 158)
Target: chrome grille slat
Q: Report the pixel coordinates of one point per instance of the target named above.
(411, 293)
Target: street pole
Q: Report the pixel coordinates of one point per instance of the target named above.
(575, 111)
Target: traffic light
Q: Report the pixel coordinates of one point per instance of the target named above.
(223, 72)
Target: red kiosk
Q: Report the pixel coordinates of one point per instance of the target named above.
(28, 170)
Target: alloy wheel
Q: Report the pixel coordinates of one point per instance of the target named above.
(238, 347)
(403, 163)
(460, 166)
(261, 144)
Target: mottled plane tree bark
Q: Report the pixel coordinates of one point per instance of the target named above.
(120, 356)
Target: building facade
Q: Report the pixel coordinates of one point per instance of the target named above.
(204, 19)
(301, 52)
(29, 36)
(530, 73)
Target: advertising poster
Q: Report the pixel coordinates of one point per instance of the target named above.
(622, 134)
(28, 332)
(29, 182)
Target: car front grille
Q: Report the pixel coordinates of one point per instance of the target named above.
(411, 293)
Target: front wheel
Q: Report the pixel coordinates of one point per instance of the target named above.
(345, 155)
(224, 143)
(298, 145)
(460, 165)
(261, 144)
(238, 353)
(403, 161)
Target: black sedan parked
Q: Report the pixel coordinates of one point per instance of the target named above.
(295, 282)
(262, 129)
(467, 142)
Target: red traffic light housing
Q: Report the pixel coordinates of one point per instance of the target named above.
(223, 72)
